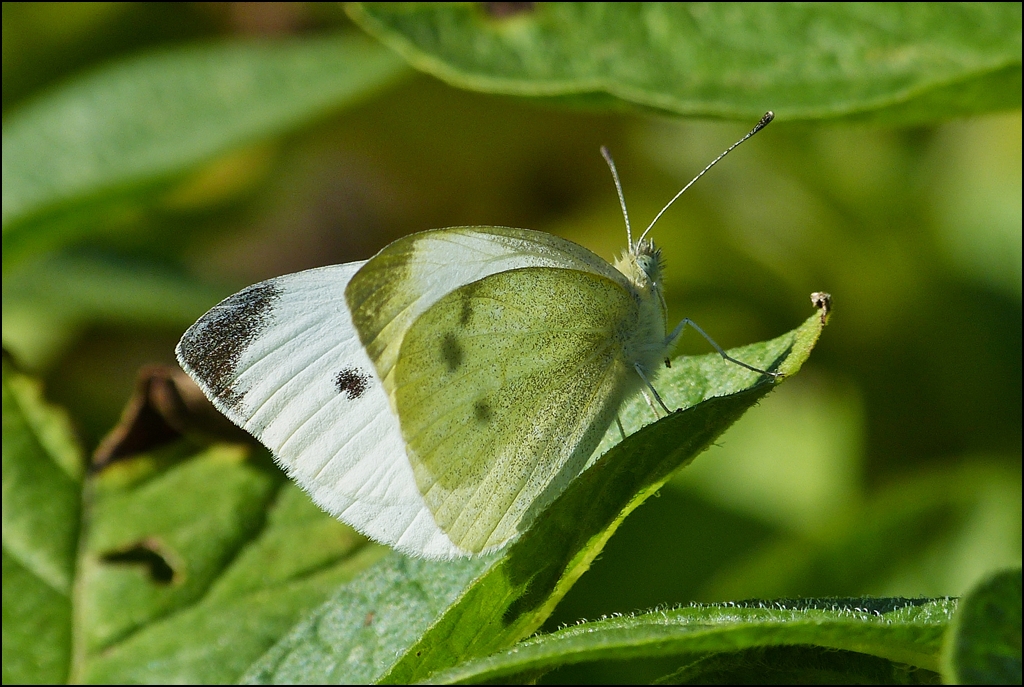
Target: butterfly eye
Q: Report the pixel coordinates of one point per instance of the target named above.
(647, 264)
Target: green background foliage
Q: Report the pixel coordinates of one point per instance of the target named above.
(157, 158)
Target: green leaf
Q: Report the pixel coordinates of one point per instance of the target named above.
(72, 157)
(406, 619)
(984, 646)
(366, 626)
(902, 630)
(797, 665)
(148, 555)
(42, 467)
(197, 562)
(901, 62)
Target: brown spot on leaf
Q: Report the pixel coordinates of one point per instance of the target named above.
(165, 405)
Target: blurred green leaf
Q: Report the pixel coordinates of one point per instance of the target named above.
(978, 201)
(102, 288)
(901, 62)
(72, 156)
(791, 463)
(42, 468)
(59, 293)
(429, 615)
(902, 630)
(935, 533)
(984, 646)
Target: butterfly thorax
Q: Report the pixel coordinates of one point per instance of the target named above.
(645, 341)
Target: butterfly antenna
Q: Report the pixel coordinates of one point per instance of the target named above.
(618, 188)
(765, 121)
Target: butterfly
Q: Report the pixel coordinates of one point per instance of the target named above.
(440, 395)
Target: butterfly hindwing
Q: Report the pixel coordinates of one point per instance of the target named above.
(503, 388)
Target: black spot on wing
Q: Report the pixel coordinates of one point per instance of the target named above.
(451, 351)
(212, 347)
(352, 382)
(466, 294)
(482, 411)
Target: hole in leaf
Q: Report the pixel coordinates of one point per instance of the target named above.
(146, 554)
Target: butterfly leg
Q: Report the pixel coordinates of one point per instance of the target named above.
(622, 432)
(650, 404)
(687, 321)
(654, 391)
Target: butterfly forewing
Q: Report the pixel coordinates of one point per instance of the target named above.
(503, 389)
(283, 360)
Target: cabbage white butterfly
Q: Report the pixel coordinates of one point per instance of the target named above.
(440, 395)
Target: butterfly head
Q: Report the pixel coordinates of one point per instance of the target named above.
(642, 265)
(648, 259)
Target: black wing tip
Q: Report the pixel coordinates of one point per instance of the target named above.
(209, 350)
